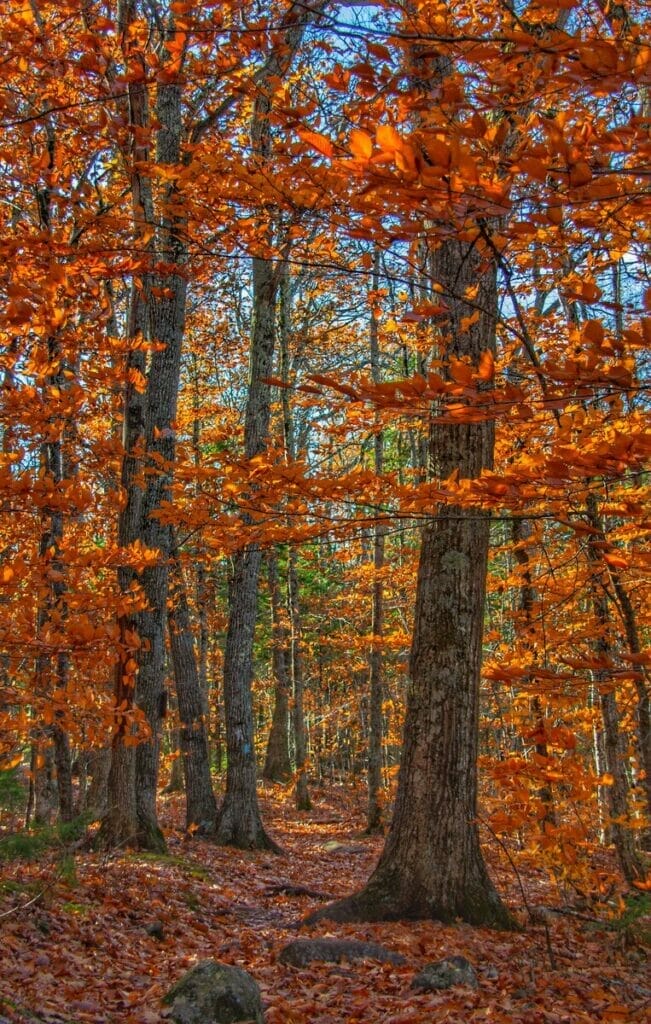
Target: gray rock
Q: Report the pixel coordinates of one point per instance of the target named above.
(214, 993)
(303, 951)
(455, 970)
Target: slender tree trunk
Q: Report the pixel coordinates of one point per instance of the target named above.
(432, 865)
(239, 822)
(521, 533)
(296, 665)
(617, 792)
(277, 766)
(201, 807)
(52, 672)
(302, 796)
(376, 687)
(627, 612)
(120, 824)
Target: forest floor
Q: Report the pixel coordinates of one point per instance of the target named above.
(101, 938)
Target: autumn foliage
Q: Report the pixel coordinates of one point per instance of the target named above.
(226, 340)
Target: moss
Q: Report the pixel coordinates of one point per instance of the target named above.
(75, 908)
(188, 867)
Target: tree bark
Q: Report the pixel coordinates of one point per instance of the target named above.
(617, 792)
(277, 765)
(159, 309)
(239, 822)
(521, 531)
(301, 796)
(376, 688)
(119, 826)
(201, 806)
(432, 865)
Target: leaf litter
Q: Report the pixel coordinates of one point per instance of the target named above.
(104, 946)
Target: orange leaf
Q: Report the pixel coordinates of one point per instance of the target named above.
(387, 138)
(617, 561)
(318, 142)
(360, 144)
(486, 365)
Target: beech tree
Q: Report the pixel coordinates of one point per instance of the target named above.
(364, 292)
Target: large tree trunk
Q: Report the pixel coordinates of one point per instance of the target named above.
(168, 304)
(432, 864)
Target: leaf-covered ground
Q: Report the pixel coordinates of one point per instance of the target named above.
(102, 939)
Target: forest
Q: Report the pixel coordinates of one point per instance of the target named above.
(325, 674)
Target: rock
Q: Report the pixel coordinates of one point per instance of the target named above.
(334, 846)
(214, 993)
(455, 970)
(303, 951)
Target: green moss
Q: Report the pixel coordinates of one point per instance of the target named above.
(189, 868)
(75, 908)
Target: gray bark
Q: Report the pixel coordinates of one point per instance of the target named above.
(148, 419)
(53, 671)
(277, 766)
(239, 822)
(432, 865)
(617, 793)
(302, 796)
(521, 532)
(374, 812)
(296, 664)
(201, 806)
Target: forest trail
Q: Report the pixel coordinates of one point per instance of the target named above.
(107, 937)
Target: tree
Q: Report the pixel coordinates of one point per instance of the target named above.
(432, 865)
(239, 821)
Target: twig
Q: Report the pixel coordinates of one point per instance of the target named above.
(533, 917)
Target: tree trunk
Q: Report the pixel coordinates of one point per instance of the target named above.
(627, 613)
(432, 864)
(302, 796)
(239, 822)
(521, 532)
(120, 824)
(374, 813)
(619, 828)
(201, 806)
(277, 766)
(96, 798)
(149, 419)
